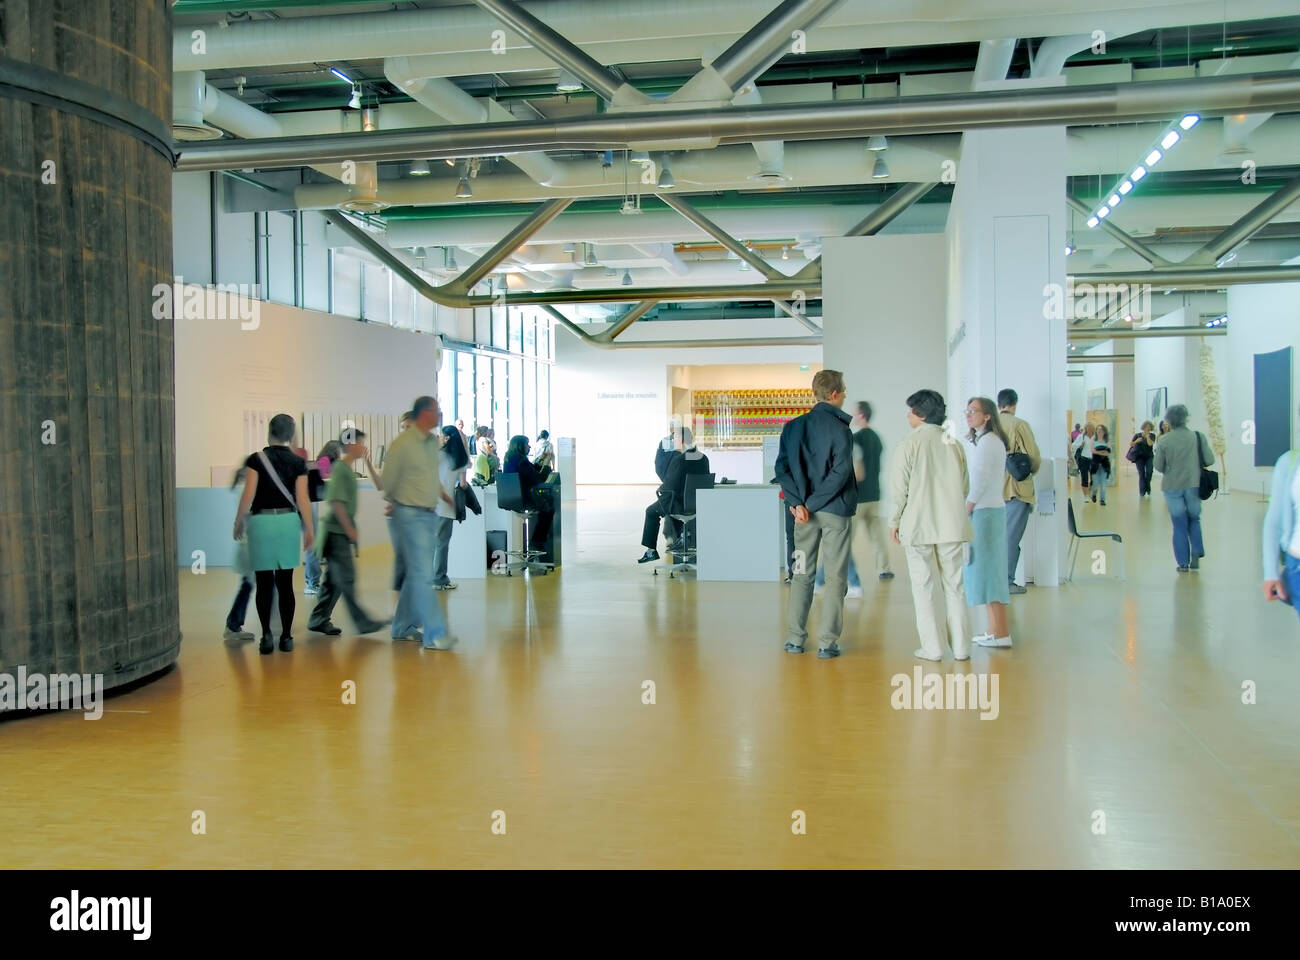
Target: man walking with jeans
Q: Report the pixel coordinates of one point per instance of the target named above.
(1018, 495)
(815, 470)
(411, 485)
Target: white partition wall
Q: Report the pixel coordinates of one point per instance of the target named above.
(1006, 255)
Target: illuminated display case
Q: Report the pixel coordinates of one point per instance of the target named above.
(742, 418)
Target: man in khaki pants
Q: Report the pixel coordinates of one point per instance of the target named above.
(928, 484)
(815, 470)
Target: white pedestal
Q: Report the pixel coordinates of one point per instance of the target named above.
(740, 533)
(467, 553)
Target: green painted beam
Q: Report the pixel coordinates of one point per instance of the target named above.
(225, 6)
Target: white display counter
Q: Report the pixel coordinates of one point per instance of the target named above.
(740, 533)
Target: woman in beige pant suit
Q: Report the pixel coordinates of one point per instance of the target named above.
(928, 484)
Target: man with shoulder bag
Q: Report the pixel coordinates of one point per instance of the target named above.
(1023, 461)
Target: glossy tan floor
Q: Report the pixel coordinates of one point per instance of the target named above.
(1123, 698)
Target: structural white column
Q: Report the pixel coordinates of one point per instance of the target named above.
(1006, 250)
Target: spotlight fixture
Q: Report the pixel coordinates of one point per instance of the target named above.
(355, 102)
(877, 143)
(627, 278)
(340, 74)
(744, 264)
(611, 272)
(420, 168)
(590, 255)
(1069, 249)
(463, 192)
(567, 83)
(638, 156)
(879, 169)
(449, 161)
(666, 181)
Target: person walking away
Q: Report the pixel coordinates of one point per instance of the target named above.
(411, 486)
(1101, 472)
(1141, 452)
(1017, 495)
(928, 482)
(338, 540)
(815, 470)
(983, 575)
(451, 474)
(1179, 456)
(275, 489)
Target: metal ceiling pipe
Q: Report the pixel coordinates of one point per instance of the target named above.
(994, 59)
(629, 318)
(1131, 333)
(1193, 279)
(876, 220)
(762, 45)
(1137, 246)
(1241, 231)
(1087, 358)
(727, 240)
(604, 341)
(1049, 59)
(1092, 104)
(566, 54)
(509, 244)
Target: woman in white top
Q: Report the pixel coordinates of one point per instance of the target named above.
(1082, 451)
(985, 576)
(1100, 463)
(451, 474)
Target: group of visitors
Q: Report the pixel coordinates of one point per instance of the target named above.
(276, 524)
(956, 509)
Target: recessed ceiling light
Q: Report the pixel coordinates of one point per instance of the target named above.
(879, 169)
(463, 192)
(420, 168)
(568, 83)
(1189, 121)
(877, 143)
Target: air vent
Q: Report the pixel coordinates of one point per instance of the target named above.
(195, 131)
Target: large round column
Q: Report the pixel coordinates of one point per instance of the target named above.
(88, 563)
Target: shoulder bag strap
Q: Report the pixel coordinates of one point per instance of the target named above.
(276, 478)
(1200, 460)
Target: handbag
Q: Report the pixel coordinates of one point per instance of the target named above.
(459, 497)
(1018, 464)
(1209, 485)
(471, 500)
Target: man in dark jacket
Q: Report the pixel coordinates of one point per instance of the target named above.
(671, 495)
(815, 469)
(664, 453)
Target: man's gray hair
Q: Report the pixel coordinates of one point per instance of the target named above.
(1176, 416)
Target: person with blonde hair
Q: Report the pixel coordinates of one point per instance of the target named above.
(927, 485)
(815, 470)
(985, 573)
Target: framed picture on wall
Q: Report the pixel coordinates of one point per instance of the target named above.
(1157, 403)
(1097, 399)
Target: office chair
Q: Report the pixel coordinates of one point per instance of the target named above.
(510, 496)
(1078, 538)
(685, 560)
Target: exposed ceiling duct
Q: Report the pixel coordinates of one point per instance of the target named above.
(1099, 103)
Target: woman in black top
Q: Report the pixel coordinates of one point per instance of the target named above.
(1142, 453)
(271, 515)
(530, 478)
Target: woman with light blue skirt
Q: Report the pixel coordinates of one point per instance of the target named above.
(276, 513)
(985, 575)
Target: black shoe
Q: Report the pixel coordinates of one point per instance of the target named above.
(1183, 568)
(373, 626)
(326, 628)
(886, 576)
(1196, 563)
(267, 645)
(649, 556)
(286, 644)
(789, 578)
(793, 648)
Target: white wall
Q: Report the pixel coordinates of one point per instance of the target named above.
(295, 360)
(1174, 362)
(883, 303)
(1261, 318)
(616, 435)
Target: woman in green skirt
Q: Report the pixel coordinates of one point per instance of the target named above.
(276, 514)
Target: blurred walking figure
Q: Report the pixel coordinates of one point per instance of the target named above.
(275, 489)
(984, 579)
(451, 474)
(1142, 454)
(927, 486)
(1179, 456)
(235, 632)
(1082, 451)
(338, 541)
(815, 470)
(1282, 533)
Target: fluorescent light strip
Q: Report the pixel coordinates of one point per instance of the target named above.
(1170, 138)
(1125, 187)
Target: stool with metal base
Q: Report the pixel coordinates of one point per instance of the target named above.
(510, 497)
(685, 559)
(1078, 538)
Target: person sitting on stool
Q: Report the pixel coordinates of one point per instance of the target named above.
(530, 478)
(671, 495)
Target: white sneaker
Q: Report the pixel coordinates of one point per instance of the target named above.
(310, 591)
(853, 592)
(449, 585)
(238, 636)
(922, 655)
(982, 639)
(988, 640)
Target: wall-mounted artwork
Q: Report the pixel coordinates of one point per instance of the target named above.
(1157, 404)
(1097, 399)
(1273, 410)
